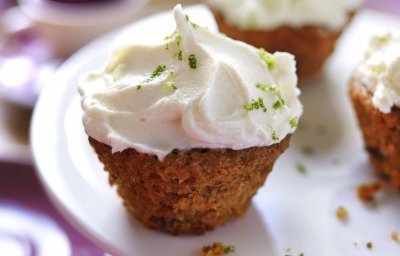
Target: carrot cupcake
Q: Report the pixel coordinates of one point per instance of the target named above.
(375, 92)
(306, 28)
(189, 127)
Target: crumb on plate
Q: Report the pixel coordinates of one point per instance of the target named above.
(366, 192)
(342, 213)
(395, 236)
(218, 249)
(369, 245)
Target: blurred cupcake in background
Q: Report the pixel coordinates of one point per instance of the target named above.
(306, 28)
(375, 93)
(70, 24)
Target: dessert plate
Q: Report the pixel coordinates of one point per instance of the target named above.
(293, 213)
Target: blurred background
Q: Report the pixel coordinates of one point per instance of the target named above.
(36, 36)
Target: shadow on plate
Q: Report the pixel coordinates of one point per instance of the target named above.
(249, 235)
(321, 125)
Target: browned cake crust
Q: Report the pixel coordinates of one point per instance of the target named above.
(381, 133)
(311, 45)
(189, 192)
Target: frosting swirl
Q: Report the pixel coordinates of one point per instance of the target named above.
(379, 71)
(270, 14)
(197, 89)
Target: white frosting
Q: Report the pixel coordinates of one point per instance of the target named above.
(379, 71)
(270, 14)
(193, 108)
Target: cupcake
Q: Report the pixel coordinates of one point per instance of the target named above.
(375, 93)
(189, 127)
(306, 28)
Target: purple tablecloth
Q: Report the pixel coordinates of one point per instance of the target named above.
(392, 6)
(29, 224)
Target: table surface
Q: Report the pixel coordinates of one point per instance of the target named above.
(20, 191)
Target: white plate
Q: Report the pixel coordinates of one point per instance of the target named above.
(292, 210)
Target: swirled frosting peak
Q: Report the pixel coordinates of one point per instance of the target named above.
(379, 71)
(195, 89)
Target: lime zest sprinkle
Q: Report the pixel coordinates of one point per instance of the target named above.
(277, 104)
(194, 25)
(274, 89)
(192, 61)
(294, 122)
(180, 46)
(261, 103)
(157, 72)
(229, 249)
(300, 168)
(256, 104)
(273, 134)
(268, 58)
(262, 87)
(172, 35)
(170, 82)
(178, 39)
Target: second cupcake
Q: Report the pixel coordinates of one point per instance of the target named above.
(306, 28)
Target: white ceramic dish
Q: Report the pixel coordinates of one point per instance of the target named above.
(293, 210)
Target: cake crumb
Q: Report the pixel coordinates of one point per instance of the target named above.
(395, 236)
(369, 245)
(218, 249)
(366, 192)
(342, 213)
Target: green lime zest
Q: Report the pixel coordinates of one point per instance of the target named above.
(273, 89)
(194, 25)
(294, 122)
(157, 72)
(274, 136)
(268, 58)
(175, 35)
(256, 104)
(300, 168)
(229, 249)
(192, 61)
(170, 82)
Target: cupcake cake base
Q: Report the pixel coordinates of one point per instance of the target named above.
(189, 192)
(381, 133)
